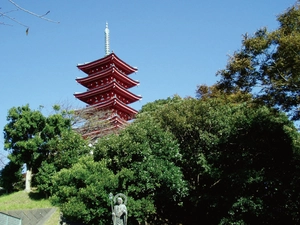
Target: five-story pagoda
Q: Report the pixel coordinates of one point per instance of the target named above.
(107, 84)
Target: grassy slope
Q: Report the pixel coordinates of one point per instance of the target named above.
(23, 200)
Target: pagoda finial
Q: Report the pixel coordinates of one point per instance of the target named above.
(106, 32)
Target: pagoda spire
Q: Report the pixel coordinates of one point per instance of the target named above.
(106, 32)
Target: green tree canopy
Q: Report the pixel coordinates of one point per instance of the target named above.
(240, 160)
(152, 154)
(82, 191)
(140, 161)
(32, 138)
(22, 135)
(62, 152)
(11, 177)
(268, 65)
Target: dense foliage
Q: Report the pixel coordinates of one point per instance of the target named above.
(151, 154)
(240, 161)
(34, 139)
(11, 177)
(139, 162)
(224, 160)
(82, 191)
(268, 65)
(63, 152)
(23, 136)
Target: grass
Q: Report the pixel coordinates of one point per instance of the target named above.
(23, 200)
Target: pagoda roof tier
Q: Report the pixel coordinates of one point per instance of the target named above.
(116, 104)
(103, 63)
(110, 73)
(102, 93)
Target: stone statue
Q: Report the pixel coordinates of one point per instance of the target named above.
(119, 212)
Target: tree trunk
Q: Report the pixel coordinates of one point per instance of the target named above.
(28, 180)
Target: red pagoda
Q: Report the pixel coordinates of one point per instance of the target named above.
(107, 84)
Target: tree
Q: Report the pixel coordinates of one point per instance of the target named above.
(82, 191)
(205, 92)
(27, 135)
(43, 180)
(139, 161)
(268, 65)
(151, 154)
(11, 177)
(23, 139)
(63, 152)
(240, 160)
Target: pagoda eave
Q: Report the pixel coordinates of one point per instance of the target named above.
(109, 59)
(110, 73)
(116, 104)
(111, 89)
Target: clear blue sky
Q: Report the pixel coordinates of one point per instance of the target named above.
(175, 44)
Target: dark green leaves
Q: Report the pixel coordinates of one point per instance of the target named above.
(268, 65)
